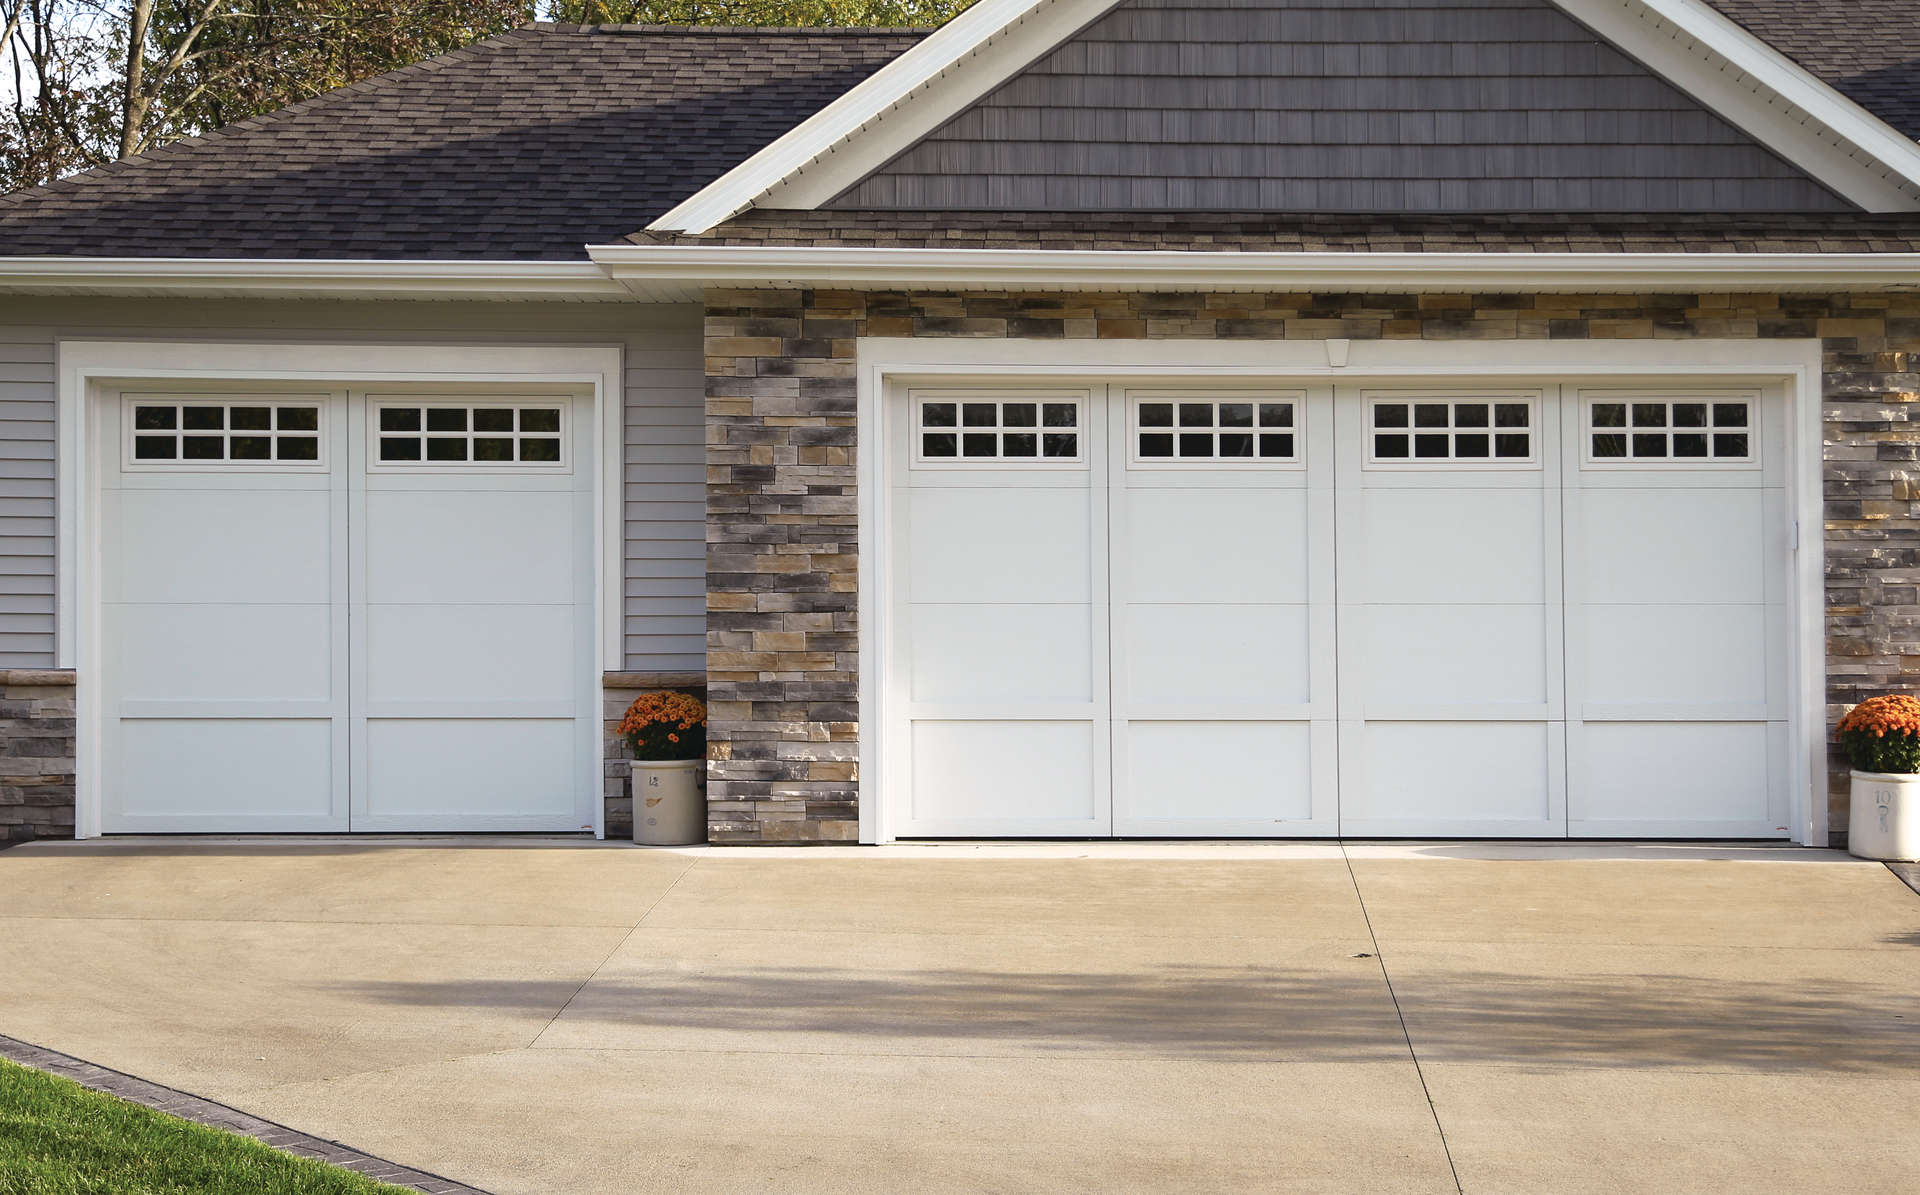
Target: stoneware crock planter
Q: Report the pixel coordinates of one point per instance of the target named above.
(669, 801)
(1885, 819)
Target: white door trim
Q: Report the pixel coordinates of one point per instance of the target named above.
(1795, 364)
(85, 366)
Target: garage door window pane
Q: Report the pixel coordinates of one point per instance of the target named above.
(473, 435)
(1452, 431)
(1207, 431)
(1675, 433)
(993, 430)
(202, 432)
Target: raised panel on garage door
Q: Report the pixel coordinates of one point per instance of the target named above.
(1676, 613)
(1450, 641)
(1223, 677)
(474, 696)
(223, 522)
(998, 649)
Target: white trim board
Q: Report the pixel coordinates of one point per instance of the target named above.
(1794, 364)
(1703, 53)
(663, 270)
(83, 365)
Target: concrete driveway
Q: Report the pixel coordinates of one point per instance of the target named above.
(566, 1017)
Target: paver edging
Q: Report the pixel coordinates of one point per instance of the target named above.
(219, 1116)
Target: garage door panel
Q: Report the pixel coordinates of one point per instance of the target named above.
(1227, 771)
(1489, 772)
(975, 772)
(480, 653)
(1673, 546)
(223, 652)
(225, 546)
(1216, 545)
(1453, 654)
(1219, 653)
(1452, 545)
(1002, 652)
(236, 773)
(479, 770)
(1676, 654)
(464, 545)
(1675, 772)
(1025, 545)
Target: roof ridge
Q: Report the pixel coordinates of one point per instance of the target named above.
(251, 124)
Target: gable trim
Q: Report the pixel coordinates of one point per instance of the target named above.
(1705, 54)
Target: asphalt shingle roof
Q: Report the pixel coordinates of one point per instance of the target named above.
(525, 146)
(1867, 50)
(1250, 232)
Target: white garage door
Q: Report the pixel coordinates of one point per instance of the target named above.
(1518, 611)
(328, 612)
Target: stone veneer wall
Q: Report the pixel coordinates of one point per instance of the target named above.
(36, 754)
(783, 544)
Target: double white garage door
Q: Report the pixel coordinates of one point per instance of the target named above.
(1531, 611)
(334, 611)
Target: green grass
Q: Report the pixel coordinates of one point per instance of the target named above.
(59, 1138)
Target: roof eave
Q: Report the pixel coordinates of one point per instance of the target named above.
(690, 269)
(133, 277)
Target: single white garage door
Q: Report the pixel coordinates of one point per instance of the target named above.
(346, 611)
(1522, 611)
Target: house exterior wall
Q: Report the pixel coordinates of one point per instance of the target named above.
(783, 544)
(663, 619)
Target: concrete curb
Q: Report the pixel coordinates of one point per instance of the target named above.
(219, 1116)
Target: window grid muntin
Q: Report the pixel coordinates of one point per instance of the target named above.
(447, 434)
(1682, 431)
(1222, 431)
(1019, 430)
(1452, 430)
(191, 431)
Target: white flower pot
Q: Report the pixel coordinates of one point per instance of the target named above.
(670, 801)
(1884, 822)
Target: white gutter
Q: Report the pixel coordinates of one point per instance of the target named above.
(398, 279)
(1068, 269)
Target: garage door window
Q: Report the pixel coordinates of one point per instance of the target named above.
(1435, 430)
(1685, 430)
(1198, 430)
(975, 430)
(447, 435)
(206, 432)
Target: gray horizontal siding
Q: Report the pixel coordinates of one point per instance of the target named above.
(664, 603)
(1339, 105)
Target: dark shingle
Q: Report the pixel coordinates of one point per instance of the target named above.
(526, 146)
(1867, 50)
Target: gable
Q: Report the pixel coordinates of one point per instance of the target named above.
(1339, 105)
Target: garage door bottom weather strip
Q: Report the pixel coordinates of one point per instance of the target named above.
(219, 1116)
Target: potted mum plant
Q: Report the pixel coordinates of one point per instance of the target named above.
(1882, 739)
(668, 734)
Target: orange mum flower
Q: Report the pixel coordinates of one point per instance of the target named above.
(657, 709)
(1896, 713)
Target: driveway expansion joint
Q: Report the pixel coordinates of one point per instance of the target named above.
(232, 1120)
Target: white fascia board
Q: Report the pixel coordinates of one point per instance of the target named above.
(889, 111)
(1764, 93)
(774, 268)
(279, 277)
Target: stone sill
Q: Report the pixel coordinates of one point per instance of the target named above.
(653, 680)
(36, 676)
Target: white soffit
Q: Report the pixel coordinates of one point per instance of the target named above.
(1690, 44)
(660, 273)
